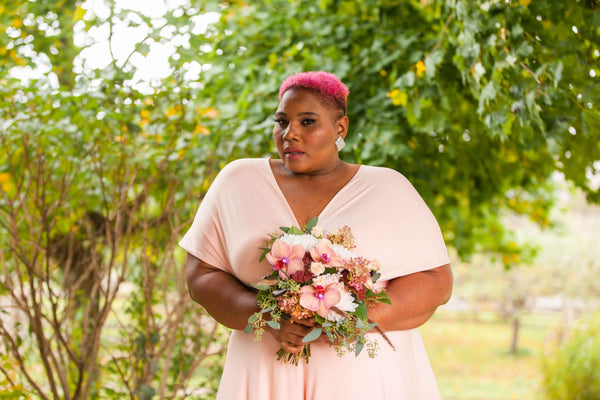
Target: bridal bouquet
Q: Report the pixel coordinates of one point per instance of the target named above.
(316, 277)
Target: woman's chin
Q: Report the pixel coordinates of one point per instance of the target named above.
(296, 166)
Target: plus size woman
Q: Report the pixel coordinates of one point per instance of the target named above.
(251, 198)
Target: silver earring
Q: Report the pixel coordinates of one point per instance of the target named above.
(339, 143)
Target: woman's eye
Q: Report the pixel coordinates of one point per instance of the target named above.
(308, 121)
(280, 121)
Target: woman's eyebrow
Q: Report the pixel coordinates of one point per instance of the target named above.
(300, 114)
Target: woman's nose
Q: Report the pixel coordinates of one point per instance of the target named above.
(291, 132)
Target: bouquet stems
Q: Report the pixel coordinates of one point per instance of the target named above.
(291, 358)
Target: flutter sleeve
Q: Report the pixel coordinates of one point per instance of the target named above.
(206, 238)
(414, 233)
(391, 223)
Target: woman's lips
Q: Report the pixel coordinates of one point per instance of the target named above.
(293, 153)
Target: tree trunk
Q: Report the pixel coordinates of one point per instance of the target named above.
(515, 335)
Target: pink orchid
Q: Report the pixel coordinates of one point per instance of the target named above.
(285, 258)
(320, 299)
(324, 254)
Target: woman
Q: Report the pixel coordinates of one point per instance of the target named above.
(251, 198)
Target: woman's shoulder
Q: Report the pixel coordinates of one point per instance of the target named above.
(388, 183)
(243, 163)
(383, 174)
(243, 166)
(240, 172)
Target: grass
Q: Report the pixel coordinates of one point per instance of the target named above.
(472, 361)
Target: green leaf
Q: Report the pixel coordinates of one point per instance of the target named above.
(359, 346)
(312, 335)
(311, 224)
(268, 309)
(154, 337)
(295, 231)
(274, 324)
(264, 253)
(254, 317)
(260, 286)
(360, 324)
(384, 298)
(361, 311)
(145, 392)
(330, 336)
(248, 328)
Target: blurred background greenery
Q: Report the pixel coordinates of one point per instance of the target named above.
(116, 115)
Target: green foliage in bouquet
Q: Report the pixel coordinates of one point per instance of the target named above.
(280, 296)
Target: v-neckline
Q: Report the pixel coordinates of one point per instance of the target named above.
(287, 203)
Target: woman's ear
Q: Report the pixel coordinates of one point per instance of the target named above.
(341, 126)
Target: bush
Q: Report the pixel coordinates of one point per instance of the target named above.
(572, 371)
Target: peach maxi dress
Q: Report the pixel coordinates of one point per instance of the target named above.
(390, 222)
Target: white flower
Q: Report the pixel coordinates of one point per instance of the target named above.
(306, 241)
(327, 279)
(317, 232)
(374, 265)
(346, 302)
(343, 252)
(317, 268)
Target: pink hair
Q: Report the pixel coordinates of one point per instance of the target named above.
(324, 83)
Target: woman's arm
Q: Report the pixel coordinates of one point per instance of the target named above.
(231, 303)
(414, 297)
(224, 297)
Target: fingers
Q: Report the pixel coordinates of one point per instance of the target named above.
(305, 322)
(290, 335)
(291, 348)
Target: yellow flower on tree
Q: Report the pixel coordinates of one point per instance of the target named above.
(5, 182)
(201, 130)
(176, 110)
(421, 68)
(210, 112)
(399, 98)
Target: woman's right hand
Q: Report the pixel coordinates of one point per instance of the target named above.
(290, 334)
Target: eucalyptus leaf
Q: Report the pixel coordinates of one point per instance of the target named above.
(312, 335)
(359, 345)
(360, 323)
(274, 324)
(268, 309)
(260, 286)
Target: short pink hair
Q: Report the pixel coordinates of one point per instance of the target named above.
(323, 83)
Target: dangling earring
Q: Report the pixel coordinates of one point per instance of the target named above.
(339, 143)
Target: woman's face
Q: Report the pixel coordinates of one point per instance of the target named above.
(305, 132)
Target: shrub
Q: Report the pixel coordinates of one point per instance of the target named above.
(572, 372)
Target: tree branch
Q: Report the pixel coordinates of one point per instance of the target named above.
(531, 72)
(443, 31)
